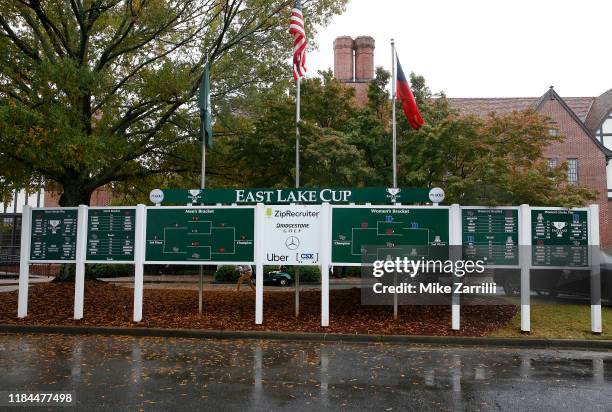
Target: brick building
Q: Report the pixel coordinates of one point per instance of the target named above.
(586, 122)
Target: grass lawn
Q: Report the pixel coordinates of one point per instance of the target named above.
(559, 321)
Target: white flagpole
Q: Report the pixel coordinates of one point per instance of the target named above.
(203, 186)
(297, 185)
(393, 83)
(297, 135)
(203, 174)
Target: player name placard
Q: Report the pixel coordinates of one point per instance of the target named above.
(200, 234)
(110, 234)
(559, 238)
(53, 234)
(364, 234)
(490, 235)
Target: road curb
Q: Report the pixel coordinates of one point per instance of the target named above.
(317, 337)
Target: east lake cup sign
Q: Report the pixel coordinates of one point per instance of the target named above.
(373, 195)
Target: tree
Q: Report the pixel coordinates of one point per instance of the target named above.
(264, 155)
(483, 160)
(96, 92)
(487, 161)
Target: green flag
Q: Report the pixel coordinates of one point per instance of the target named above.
(205, 110)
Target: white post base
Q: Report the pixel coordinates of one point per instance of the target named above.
(456, 317)
(596, 323)
(525, 318)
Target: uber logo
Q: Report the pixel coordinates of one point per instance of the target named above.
(273, 257)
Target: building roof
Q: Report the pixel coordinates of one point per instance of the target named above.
(602, 105)
(506, 105)
(588, 112)
(485, 106)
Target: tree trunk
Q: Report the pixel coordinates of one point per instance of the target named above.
(75, 194)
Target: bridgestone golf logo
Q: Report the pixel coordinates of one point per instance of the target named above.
(292, 225)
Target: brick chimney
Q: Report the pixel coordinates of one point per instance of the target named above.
(354, 64)
(343, 58)
(364, 58)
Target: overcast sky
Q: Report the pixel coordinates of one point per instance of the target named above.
(488, 48)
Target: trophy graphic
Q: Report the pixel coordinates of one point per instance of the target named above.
(54, 225)
(559, 228)
(194, 194)
(393, 193)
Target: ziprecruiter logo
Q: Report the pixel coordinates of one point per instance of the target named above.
(288, 214)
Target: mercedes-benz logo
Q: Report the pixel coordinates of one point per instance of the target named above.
(292, 243)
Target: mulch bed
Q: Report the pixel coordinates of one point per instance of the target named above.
(109, 305)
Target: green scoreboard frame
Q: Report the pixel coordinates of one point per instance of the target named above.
(491, 234)
(213, 235)
(393, 228)
(53, 235)
(111, 234)
(560, 238)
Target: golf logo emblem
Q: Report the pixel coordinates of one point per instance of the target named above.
(156, 196)
(194, 195)
(436, 195)
(393, 193)
(54, 225)
(292, 243)
(559, 228)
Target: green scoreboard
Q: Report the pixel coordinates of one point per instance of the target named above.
(202, 234)
(364, 234)
(110, 234)
(491, 235)
(53, 235)
(559, 237)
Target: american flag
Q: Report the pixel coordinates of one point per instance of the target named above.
(296, 29)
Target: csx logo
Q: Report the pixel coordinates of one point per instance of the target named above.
(307, 257)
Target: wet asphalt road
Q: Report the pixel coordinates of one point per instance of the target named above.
(126, 373)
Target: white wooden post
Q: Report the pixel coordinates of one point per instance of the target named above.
(325, 261)
(455, 254)
(81, 248)
(525, 262)
(139, 258)
(259, 258)
(595, 261)
(24, 261)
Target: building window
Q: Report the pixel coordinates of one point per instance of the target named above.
(572, 171)
(604, 133)
(553, 132)
(552, 163)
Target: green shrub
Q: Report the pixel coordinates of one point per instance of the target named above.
(307, 273)
(96, 271)
(226, 273)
